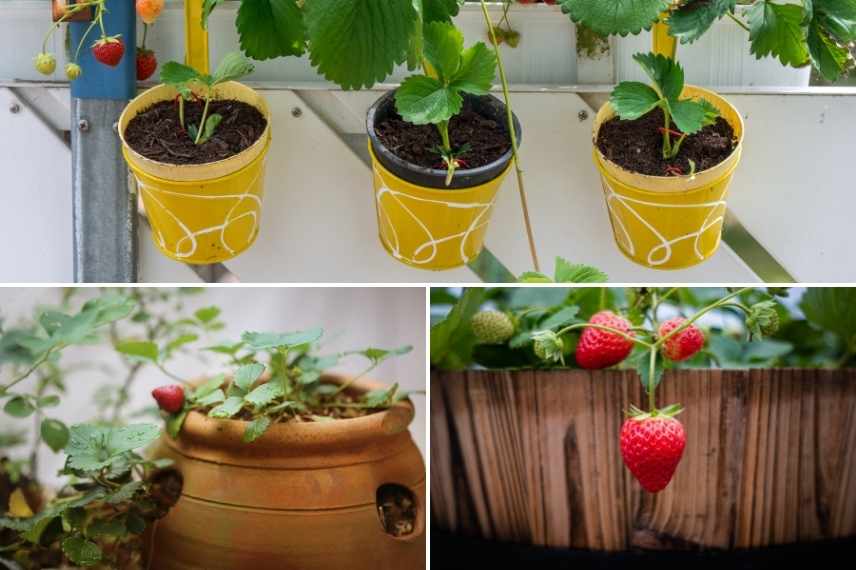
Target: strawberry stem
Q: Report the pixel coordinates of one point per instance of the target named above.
(652, 370)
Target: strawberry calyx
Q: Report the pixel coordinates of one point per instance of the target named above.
(670, 411)
(104, 40)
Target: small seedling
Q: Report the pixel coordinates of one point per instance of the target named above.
(633, 99)
(437, 95)
(184, 79)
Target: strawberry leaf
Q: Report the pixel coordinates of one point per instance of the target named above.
(690, 116)
(608, 17)
(440, 10)
(477, 70)
(691, 20)
(776, 29)
(424, 100)
(356, 43)
(666, 73)
(443, 46)
(828, 57)
(632, 99)
(233, 66)
(256, 428)
(837, 17)
(270, 28)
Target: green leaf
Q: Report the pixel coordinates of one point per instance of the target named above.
(690, 116)
(124, 493)
(443, 44)
(356, 43)
(776, 29)
(256, 428)
(832, 309)
(534, 277)
(378, 355)
(477, 70)
(210, 126)
(93, 447)
(643, 368)
(567, 272)
(81, 551)
(247, 374)
(607, 17)
(142, 350)
(271, 28)
(424, 100)
(691, 20)
(452, 338)
(264, 394)
(837, 17)
(666, 73)
(208, 387)
(50, 401)
(228, 349)
(19, 407)
(564, 317)
(215, 397)
(267, 341)
(207, 314)
(233, 66)
(207, 7)
(114, 527)
(176, 74)
(380, 398)
(54, 433)
(440, 10)
(227, 409)
(180, 341)
(828, 57)
(632, 99)
(174, 423)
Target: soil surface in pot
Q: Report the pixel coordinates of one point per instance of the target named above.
(156, 133)
(637, 145)
(487, 139)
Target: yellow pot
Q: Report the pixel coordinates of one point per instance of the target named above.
(304, 496)
(669, 222)
(421, 222)
(201, 213)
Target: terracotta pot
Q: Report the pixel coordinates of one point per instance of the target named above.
(303, 496)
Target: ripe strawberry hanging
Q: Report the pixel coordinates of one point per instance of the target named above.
(684, 344)
(599, 348)
(109, 50)
(169, 398)
(652, 445)
(146, 63)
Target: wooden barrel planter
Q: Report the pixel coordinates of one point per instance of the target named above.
(532, 457)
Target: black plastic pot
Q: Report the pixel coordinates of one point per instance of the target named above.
(488, 106)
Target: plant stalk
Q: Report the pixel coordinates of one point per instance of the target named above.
(513, 134)
(652, 370)
(202, 121)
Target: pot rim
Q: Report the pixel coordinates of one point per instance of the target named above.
(227, 434)
(194, 172)
(606, 112)
(392, 162)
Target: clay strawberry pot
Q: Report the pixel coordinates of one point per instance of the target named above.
(532, 457)
(421, 221)
(201, 213)
(303, 496)
(669, 222)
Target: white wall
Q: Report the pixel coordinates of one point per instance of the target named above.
(351, 317)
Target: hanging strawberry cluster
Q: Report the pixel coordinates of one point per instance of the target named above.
(651, 441)
(106, 49)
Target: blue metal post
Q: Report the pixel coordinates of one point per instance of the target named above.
(105, 218)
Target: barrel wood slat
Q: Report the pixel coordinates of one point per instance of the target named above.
(533, 457)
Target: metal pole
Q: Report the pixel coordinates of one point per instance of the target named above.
(104, 210)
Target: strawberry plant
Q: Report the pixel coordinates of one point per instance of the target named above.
(187, 81)
(278, 378)
(106, 49)
(597, 328)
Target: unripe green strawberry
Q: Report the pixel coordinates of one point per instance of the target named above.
(72, 71)
(45, 63)
(684, 344)
(492, 327)
(652, 446)
(548, 346)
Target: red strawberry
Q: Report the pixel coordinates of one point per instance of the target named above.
(169, 398)
(109, 50)
(684, 344)
(599, 348)
(652, 446)
(146, 63)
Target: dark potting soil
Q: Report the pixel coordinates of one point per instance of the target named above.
(637, 145)
(487, 139)
(156, 133)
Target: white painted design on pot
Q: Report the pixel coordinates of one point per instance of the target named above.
(431, 242)
(190, 237)
(664, 248)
